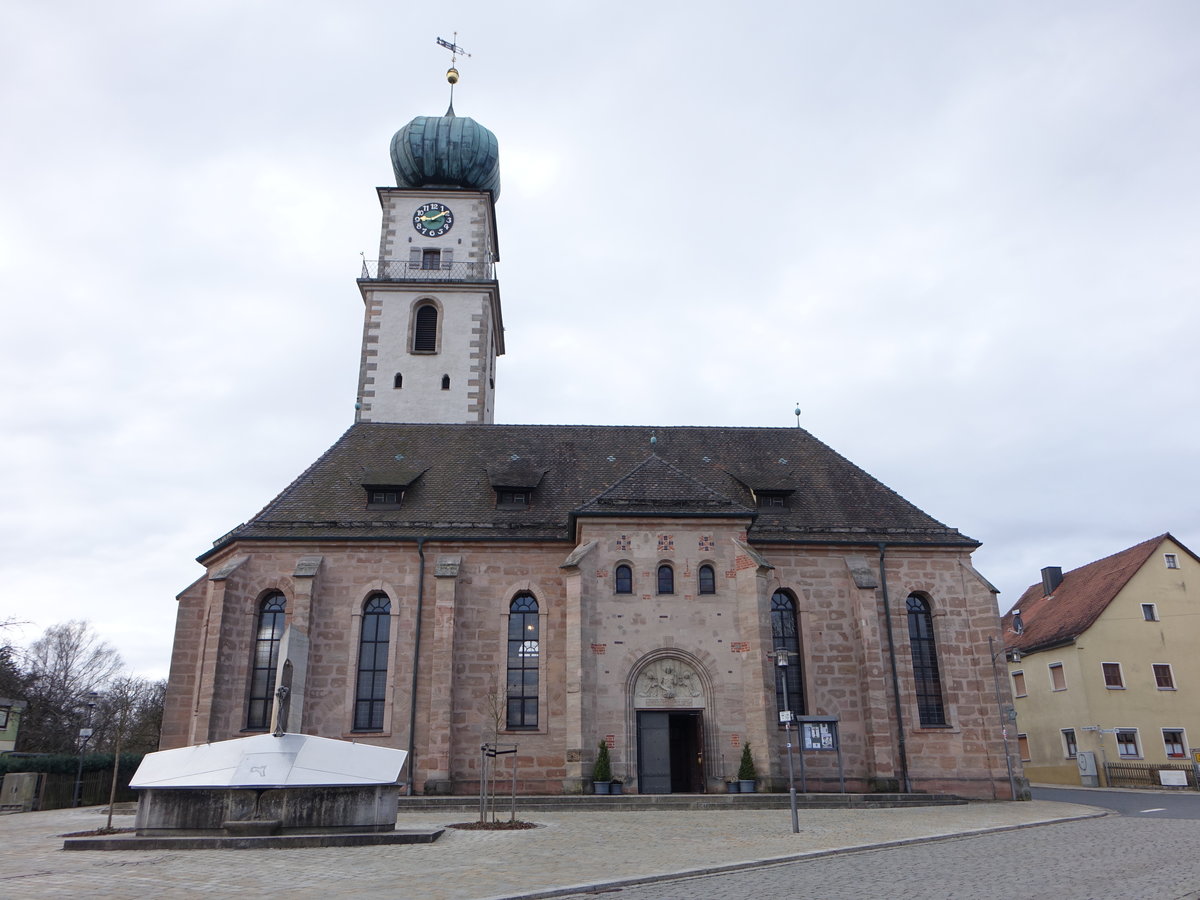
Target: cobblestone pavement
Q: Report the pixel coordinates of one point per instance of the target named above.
(572, 850)
(1088, 860)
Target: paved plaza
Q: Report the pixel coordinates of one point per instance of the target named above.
(572, 850)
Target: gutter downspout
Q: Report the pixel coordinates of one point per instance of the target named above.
(412, 694)
(906, 784)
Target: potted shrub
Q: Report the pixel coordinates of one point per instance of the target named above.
(747, 774)
(602, 771)
(616, 785)
(732, 786)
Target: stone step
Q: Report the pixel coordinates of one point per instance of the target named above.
(610, 803)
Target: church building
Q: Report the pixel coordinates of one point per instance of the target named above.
(435, 581)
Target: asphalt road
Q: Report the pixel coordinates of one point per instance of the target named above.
(1155, 804)
(1152, 851)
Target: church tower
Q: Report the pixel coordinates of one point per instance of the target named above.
(432, 324)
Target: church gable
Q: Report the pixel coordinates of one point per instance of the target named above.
(655, 487)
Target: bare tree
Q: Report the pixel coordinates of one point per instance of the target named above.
(62, 668)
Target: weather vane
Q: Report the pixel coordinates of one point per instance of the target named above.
(452, 72)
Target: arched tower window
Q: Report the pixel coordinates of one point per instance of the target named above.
(926, 676)
(785, 638)
(371, 690)
(524, 654)
(707, 578)
(398, 381)
(666, 579)
(623, 579)
(266, 660)
(426, 329)
(445, 382)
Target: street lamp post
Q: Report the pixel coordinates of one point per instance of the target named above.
(781, 662)
(1015, 657)
(85, 734)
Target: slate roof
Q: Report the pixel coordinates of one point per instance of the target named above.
(586, 470)
(1077, 603)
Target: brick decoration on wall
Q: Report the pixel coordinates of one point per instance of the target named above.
(735, 741)
(743, 562)
(707, 544)
(624, 543)
(610, 741)
(599, 648)
(739, 646)
(666, 542)
(602, 573)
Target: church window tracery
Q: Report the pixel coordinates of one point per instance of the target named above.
(266, 658)
(623, 579)
(785, 639)
(930, 708)
(524, 657)
(666, 579)
(371, 688)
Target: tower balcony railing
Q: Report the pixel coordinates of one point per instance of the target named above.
(406, 270)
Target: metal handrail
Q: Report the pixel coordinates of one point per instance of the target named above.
(404, 270)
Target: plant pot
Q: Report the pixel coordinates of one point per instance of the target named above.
(733, 787)
(615, 787)
(746, 787)
(601, 787)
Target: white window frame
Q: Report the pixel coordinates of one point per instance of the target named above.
(1120, 674)
(1171, 560)
(1068, 752)
(1182, 740)
(1137, 743)
(1050, 667)
(1150, 612)
(1170, 672)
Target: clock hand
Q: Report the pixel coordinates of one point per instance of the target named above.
(437, 216)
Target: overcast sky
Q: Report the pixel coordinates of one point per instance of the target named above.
(963, 236)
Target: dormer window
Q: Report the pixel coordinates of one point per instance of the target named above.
(771, 499)
(512, 498)
(384, 497)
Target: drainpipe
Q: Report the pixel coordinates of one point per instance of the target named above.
(416, 659)
(887, 618)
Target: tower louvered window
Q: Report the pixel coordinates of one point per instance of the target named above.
(266, 660)
(926, 675)
(426, 329)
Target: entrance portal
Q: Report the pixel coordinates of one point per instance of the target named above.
(670, 752)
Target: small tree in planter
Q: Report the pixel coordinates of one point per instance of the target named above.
(602, 771)
(747, 773)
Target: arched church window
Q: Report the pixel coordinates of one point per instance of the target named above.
(445, 382)
(707, 579)
(666, 579)
(623, 579)
(266, 659)
(398, 381)
(785, 639)
(524, 656)
(926, 675)
(371, 690)
(426, 329)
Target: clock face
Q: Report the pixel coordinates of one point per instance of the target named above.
(433, 219)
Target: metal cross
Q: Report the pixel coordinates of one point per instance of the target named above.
(454, 49)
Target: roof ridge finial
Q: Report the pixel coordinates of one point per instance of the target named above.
(452, 72)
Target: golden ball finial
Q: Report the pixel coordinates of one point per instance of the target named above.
(452, 75)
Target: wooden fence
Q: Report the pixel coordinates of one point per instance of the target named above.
(1144, 775)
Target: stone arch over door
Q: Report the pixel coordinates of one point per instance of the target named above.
(669, 693)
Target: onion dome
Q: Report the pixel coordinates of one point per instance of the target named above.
(446, 151)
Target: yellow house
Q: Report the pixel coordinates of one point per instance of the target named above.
(1106, 669)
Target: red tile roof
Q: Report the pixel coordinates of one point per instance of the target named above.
(1076, 603)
